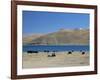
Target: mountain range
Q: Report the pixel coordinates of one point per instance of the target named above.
(61, 37)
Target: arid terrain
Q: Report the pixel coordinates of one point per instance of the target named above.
(62, 59)
(60, 37)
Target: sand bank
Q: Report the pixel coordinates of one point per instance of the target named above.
(62, 59)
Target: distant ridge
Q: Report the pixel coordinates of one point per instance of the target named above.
(62, 37)
(27, 39)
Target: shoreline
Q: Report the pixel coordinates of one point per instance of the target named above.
(61, 59)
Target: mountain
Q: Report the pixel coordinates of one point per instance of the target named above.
(62, 37)
(27, 39)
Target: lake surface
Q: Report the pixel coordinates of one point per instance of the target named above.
(55, 48)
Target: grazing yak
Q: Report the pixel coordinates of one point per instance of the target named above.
(52, 55)
(69, 52)
(32, 51)
(83, 53)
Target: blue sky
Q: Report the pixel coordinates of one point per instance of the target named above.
(47, 22)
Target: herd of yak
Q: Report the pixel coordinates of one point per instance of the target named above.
(53, 52)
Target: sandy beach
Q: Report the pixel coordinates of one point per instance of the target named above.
(62, 59)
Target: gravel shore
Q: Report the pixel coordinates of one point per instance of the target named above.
(61, 59)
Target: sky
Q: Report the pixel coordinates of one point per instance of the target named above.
(40, 22)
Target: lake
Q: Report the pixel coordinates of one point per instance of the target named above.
(55, 48)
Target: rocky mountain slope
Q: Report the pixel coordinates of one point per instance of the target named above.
(62, 37)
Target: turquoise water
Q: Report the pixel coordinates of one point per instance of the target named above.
(55, 48)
